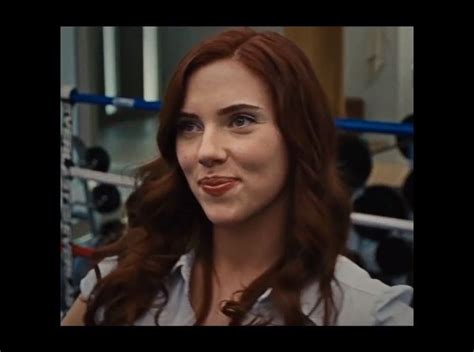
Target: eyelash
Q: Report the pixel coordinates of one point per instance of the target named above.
(184, 123)
(248, 118)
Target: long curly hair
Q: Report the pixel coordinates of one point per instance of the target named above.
(165, 220)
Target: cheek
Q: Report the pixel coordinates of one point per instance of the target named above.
(185, 158)
(266, 157)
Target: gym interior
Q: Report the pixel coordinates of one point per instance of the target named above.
(366, 72)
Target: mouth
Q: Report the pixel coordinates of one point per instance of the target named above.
(217, 186)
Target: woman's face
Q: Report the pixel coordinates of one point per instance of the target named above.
(228, 144)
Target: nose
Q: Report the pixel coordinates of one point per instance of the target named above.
(211, 150)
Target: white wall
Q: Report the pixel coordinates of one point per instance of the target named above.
(89, 80)
(151, 64)
(175, 42)
(68, 63)
(379, 90)
(68, 56)
(81, 67)
(405, 70)
(388, 93)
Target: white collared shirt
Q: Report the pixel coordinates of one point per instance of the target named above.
(361, 300)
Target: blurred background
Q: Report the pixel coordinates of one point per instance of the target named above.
(367, 73)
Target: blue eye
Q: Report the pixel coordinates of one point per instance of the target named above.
(186, 126)
(241, 121)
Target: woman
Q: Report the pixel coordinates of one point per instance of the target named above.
(243, 219)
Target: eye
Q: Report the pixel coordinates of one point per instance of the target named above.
(241, 121)
(187, 126)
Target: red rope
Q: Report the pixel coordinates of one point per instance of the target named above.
(79, 251)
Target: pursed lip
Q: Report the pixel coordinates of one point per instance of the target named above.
(216, 180)
(217, 185)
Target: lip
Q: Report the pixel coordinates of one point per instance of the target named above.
(215, 180)
(217, 186)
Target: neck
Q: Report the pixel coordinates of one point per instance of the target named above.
(243, 251)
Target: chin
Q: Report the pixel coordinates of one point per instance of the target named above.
(222, 217)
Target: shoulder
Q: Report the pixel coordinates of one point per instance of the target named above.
(105, 267)
(374, 302)
(362, 300)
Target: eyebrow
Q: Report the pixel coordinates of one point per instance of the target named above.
(223, 111)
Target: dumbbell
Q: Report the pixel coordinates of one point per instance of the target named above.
(356, 258)
(97, 158)
(379, 200)
(93, 158)
(111, 231)
(386, 279)
(410, 278)
(354, 160)
(407, 189)
(394, 256)
(105, 199)
(405, 143)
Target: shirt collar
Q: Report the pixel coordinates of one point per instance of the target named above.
(185, 263)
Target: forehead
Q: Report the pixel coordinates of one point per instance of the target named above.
(223, 83)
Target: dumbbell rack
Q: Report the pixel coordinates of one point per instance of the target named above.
(69, 171)
(69, 96)
(80, 149)
(66, 198)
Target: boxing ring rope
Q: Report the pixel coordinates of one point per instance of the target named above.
(70, 96)
(102, 177)
(348, 124)
(355, 125)
(382, 222)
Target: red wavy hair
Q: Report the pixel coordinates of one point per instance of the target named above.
(165, 220)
